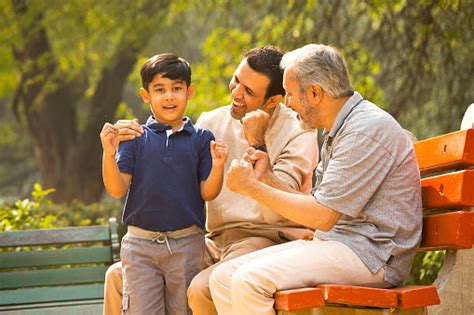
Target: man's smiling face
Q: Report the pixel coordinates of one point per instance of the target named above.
(248, 89)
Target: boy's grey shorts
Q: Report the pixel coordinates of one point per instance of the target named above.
(156, 274)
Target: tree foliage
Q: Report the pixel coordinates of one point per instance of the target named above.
(413, 58)
(69, 66)
(73, 61)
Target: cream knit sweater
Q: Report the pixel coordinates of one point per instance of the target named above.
(293, 153)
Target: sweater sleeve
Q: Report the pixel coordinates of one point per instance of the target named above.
(295, 164)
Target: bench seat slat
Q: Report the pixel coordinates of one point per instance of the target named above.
(453, 190)
(18, 279)
(448, 231)
(406, 297)
(355, 295)
(52, 294)
(450, 151)
(297, 299)
(55, 236)
(56, 257)
(413, 296)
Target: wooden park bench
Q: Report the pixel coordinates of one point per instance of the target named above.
(56, 271)
(448, 195)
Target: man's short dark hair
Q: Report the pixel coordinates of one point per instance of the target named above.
(167, 65)
(266, 60)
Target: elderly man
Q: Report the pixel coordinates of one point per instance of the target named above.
(365, 206)
(238, 225)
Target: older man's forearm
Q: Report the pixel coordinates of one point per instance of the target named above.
(297, 207)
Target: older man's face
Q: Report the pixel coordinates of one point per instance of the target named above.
(247, 90)
(298, 101)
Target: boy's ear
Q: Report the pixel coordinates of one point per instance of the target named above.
(145, 95)
(190, 91)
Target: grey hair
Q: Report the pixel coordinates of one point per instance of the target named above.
(322, 65)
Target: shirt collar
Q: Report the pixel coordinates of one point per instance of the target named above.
(341, 116)
(158, 127)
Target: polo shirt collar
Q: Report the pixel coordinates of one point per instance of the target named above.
(341, 116)
(158, 127)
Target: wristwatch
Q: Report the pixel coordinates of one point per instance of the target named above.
(260, 147)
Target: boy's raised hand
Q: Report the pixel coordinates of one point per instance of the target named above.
(219, 152)
(109, 138)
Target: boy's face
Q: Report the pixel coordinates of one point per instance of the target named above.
(168, 99)
(247, 90)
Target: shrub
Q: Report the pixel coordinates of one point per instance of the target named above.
(40, 213)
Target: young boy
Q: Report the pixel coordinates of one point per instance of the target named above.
(168, 172)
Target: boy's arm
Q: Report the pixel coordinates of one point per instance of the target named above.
(115, 182)
(212, 186)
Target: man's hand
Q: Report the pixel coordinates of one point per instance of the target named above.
(255, 124)
(260, 162)
(110, 139)
(239, 176)
(219, 153)
(128, 129)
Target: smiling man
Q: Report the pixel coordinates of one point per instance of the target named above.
(365, 206)
(236, 224)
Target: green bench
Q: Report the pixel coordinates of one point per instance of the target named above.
(447, 167)
(56, 271)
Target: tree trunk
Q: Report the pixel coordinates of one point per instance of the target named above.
(68, 158)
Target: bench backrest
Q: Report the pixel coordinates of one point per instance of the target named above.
(448, 190)
(55, 265)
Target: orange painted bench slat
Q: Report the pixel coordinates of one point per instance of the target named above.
(448, 231)
(354, 295)
(405, 297)
(417, 296)
(453, 190)
(449, 151)
(297, 299)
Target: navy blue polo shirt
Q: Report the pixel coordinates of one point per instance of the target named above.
(164, 194)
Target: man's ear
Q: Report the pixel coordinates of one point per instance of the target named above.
(314, 93)
(145, 95)
(272, 102)
(190, 91)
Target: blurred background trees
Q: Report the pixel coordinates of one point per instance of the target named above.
(69, 66)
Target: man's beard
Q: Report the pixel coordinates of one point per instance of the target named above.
(307, 120)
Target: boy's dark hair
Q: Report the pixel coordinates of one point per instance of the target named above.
(266, 60)
(167, 65)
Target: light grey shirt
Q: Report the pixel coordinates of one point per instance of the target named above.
(369, 173)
